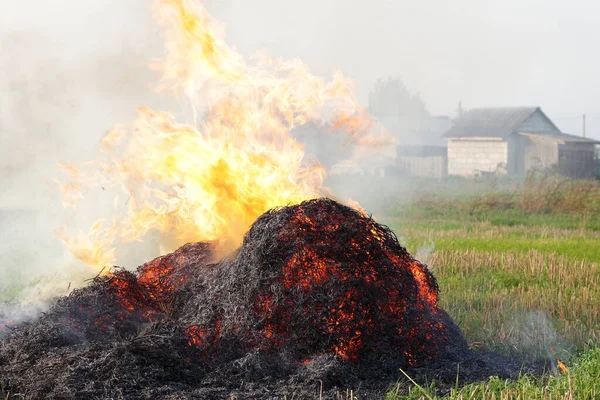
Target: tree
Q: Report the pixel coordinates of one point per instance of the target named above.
(391, 98)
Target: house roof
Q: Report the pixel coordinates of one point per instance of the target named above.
(491, 122)
(562, 138)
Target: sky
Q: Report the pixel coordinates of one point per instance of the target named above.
(478, 52)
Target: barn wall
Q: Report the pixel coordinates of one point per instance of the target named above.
(540, 153)
(577, 160)
(519, 159)
(469, 157)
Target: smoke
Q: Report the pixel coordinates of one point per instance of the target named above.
(532, 336)
(68, 75)
(425, 254)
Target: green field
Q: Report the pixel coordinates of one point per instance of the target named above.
(518, 268)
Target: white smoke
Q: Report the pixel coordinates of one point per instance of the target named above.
(532, 335)
(425, 253)
(68, 75)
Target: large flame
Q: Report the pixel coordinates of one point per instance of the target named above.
(210, 180)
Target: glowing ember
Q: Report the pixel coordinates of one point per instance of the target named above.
(349, 283)
(327, 279)
(210, 180)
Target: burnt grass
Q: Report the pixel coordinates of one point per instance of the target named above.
(318, 300)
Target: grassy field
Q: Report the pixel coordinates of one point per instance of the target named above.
(518, 269)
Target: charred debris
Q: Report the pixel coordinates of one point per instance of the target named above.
(319, 299)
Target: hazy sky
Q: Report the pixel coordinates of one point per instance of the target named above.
(480, 52)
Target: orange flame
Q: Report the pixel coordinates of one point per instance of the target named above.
(563, 368)
(209, 181)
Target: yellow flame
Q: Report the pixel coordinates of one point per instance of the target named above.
(210, 181)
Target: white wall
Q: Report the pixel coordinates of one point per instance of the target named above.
(469, 156)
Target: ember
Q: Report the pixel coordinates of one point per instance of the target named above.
(317, 292)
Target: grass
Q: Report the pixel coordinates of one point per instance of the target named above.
(12, 288)
(537, 200)
(575, 244)
(518, 265)
(580, 381)
(520, 303)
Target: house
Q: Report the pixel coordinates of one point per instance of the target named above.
(515, 140)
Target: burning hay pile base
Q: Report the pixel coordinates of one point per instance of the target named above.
(318, 298)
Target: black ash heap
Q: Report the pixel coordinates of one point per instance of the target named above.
(318, 298)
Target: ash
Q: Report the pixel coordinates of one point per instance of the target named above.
(318, 300)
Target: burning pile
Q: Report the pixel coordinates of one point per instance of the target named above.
(317, 292)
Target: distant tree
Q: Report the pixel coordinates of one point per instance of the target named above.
(391, 98)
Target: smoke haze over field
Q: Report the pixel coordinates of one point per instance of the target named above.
(70, 71)
(73, 69)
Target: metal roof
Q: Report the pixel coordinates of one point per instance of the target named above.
(491, 122)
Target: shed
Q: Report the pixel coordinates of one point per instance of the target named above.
(515, 140)
(573, 156)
